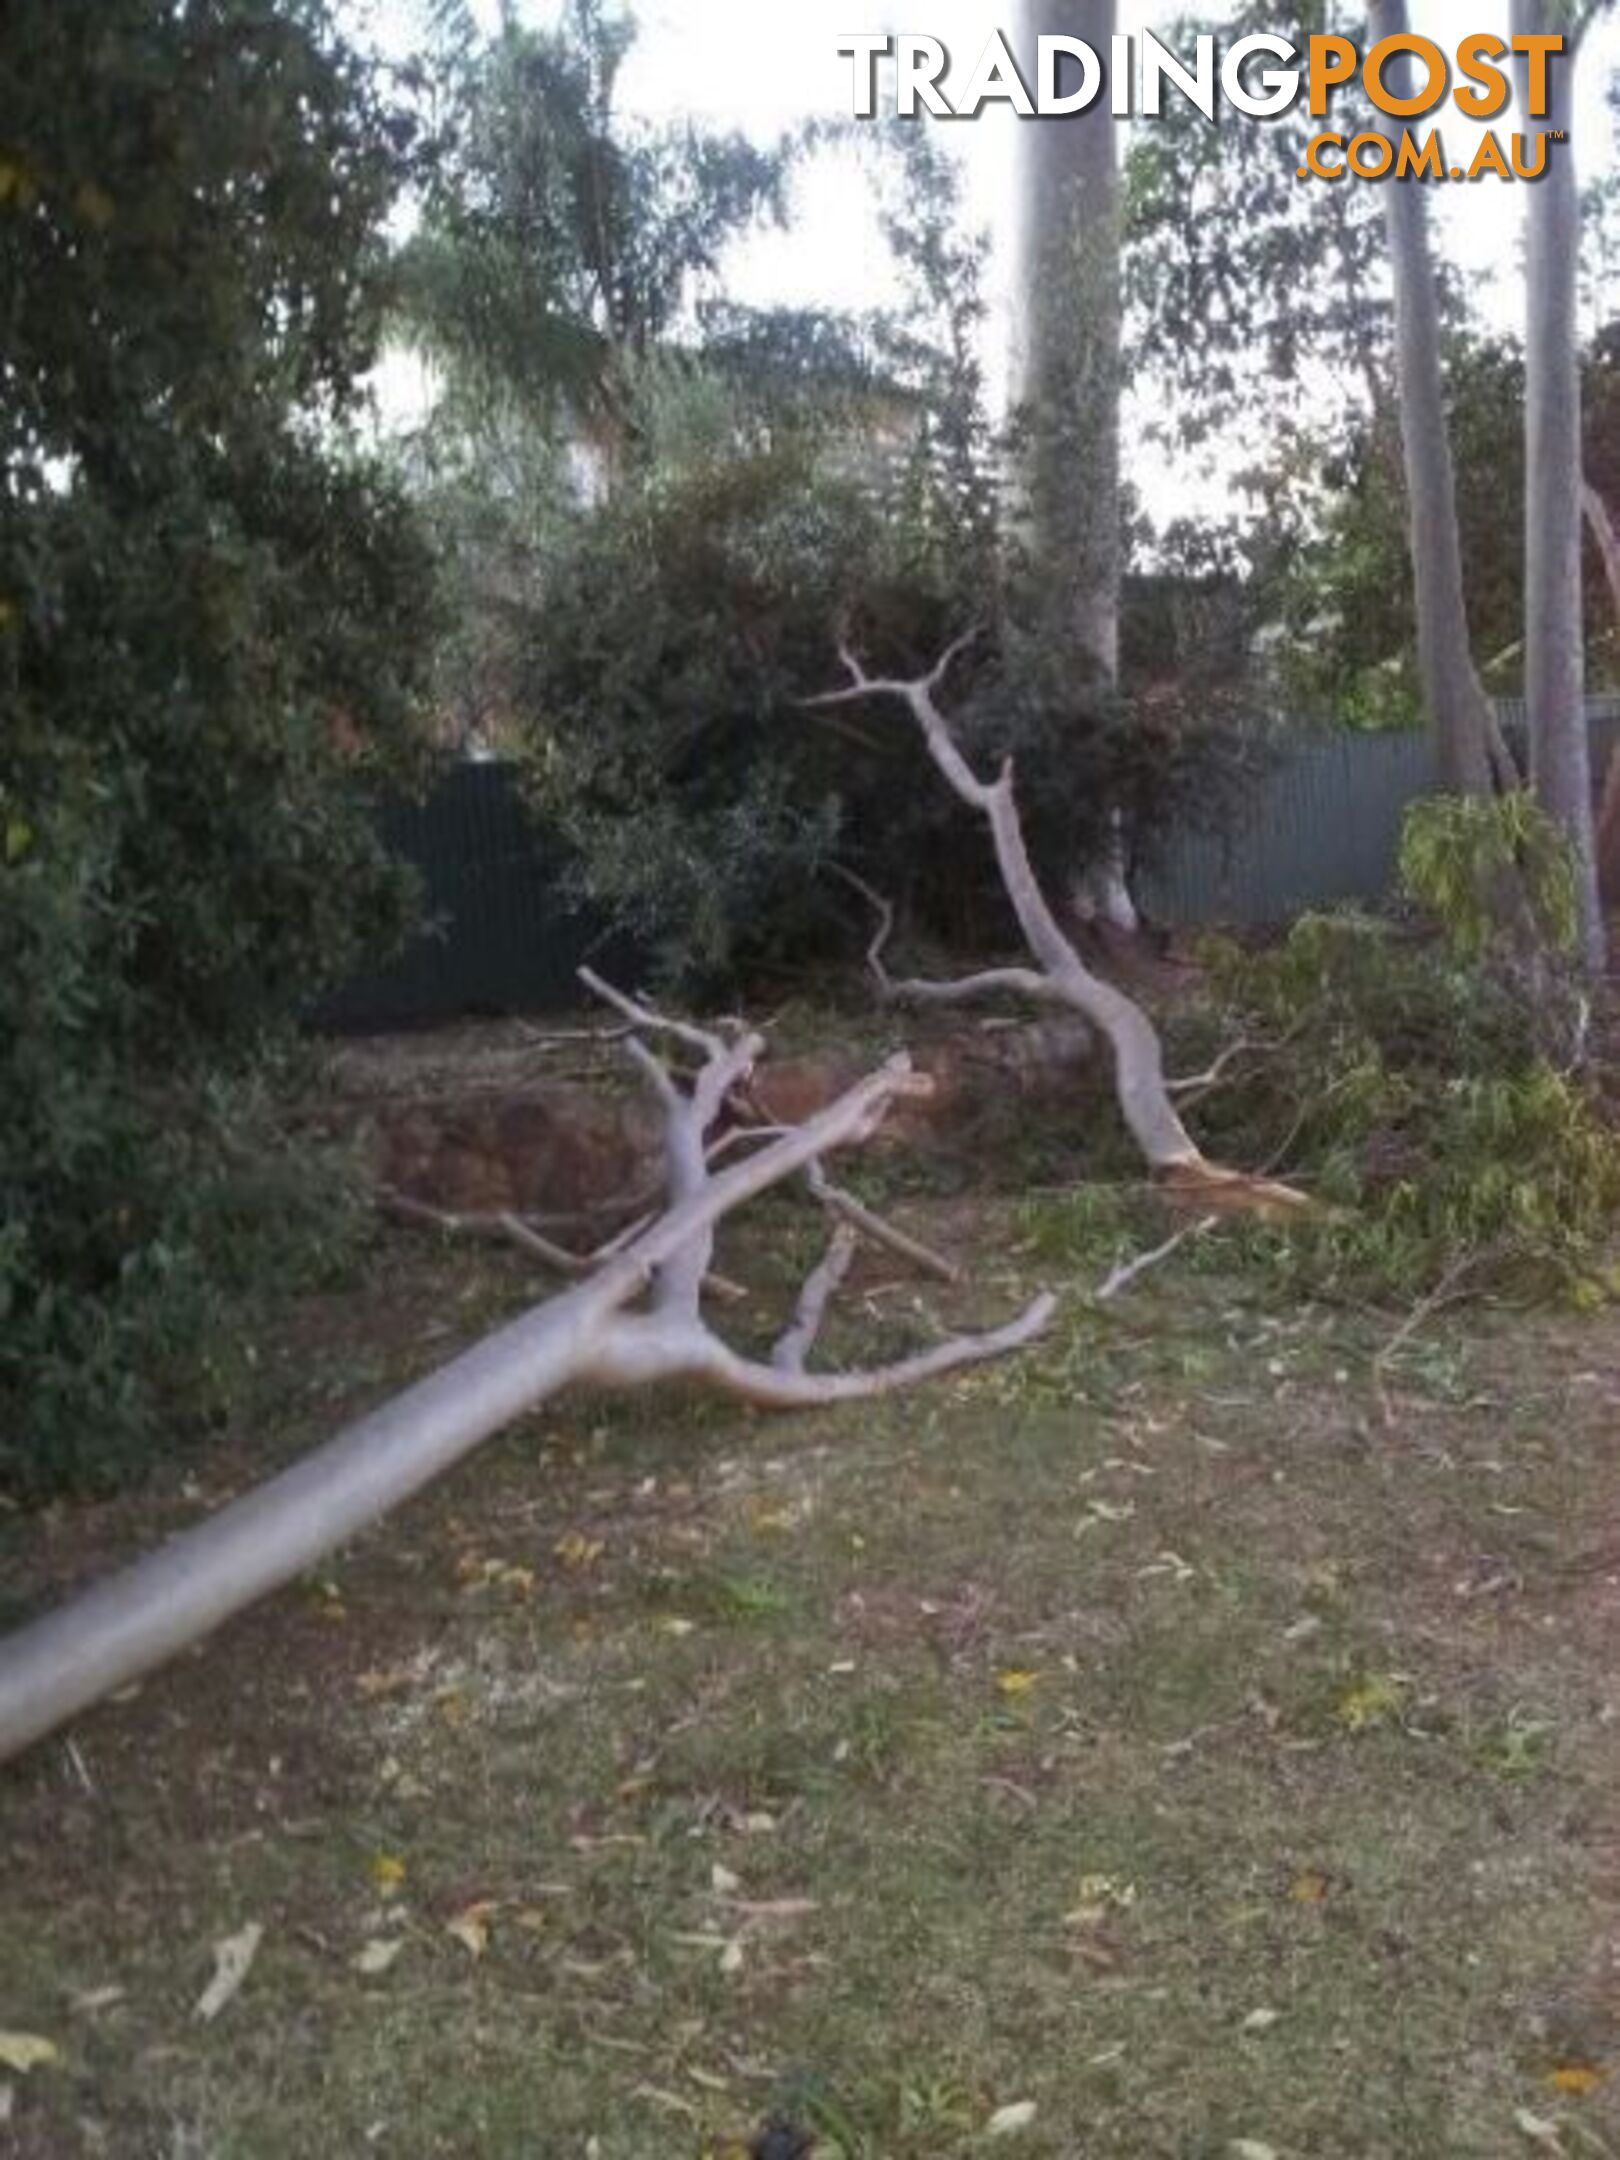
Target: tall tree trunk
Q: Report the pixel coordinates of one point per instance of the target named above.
(1066, 368)
(1554, 630)
(1457, 707)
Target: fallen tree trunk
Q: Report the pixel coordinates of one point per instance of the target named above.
(1146, 1098)
(120, 1629)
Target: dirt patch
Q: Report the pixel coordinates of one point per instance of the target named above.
(490, 1121)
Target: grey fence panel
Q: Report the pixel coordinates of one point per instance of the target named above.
(1321, 825)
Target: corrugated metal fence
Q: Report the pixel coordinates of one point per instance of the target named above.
(1320, 824)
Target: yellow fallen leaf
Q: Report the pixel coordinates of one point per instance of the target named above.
(471, 1928)
(1099, 1896)
(23, 2052)
(387, 1872)
(577, 1551)
(1577, 2079)
(1015, 1682)
(770, 1520)
(1309, 1888)
(1370, 1702)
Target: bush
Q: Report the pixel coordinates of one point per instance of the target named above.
(1412, 1088)
(214, 625)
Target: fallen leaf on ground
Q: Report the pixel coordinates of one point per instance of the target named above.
(1252, 2149)
(471, 1928)
(575, 1550)
(1099, 1896)
(1015, 1683)
(377, 1956)
(1577, 2079)
(23, 2052)
(1371, 1702)
(96, 1999)
(1009, 2121)
(387, 1872)
(1538, 2130)
(1309, 1888)
(1261, 2021)
(233, 1957)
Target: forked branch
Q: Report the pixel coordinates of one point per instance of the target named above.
(1060, 976)
(635, 1317)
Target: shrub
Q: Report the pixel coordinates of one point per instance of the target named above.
(1412, 1088)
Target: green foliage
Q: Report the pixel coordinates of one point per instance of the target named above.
(212, 625)
(560, 242)
(131, 1286)
(1410, 1092)
(1459, 857)
(653, 557)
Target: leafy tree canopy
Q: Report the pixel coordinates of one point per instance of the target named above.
(208, 605)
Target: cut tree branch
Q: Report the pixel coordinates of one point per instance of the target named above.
(139, 1617)
(1060, 975)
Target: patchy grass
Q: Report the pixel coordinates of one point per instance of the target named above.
(1151, 1731)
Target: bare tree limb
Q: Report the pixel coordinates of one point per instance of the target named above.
(1061, 975)
(517, 1230)
(858, 1216)
(819, 1290)
(121, 1628)
(1129, 1273)
(1014, 982)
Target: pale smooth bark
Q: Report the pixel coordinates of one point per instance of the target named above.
(1067, 332)
(1457, 707)
(1554, 628)
(1059, 976)
(122, 1628)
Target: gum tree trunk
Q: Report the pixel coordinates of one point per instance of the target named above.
(1455, 702)
(1066, 371)
(1554, 631)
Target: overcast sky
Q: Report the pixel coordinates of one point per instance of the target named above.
(766, 67)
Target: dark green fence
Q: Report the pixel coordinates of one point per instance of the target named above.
(501, 932)
(1321, 824)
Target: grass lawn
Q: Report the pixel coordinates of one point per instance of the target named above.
(1150, 1747)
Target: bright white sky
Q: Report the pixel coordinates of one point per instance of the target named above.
(764, 66)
